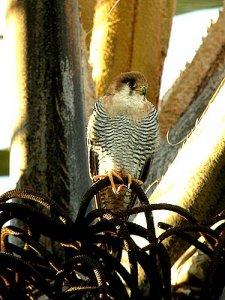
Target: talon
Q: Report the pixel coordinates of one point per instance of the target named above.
(138, 181)
(114, 189)
(129, 180)
(111, 174)
(97, 177)
(121, 188)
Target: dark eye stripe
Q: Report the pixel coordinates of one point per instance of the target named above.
(130, 81)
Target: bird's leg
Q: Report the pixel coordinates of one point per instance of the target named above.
(110, 175)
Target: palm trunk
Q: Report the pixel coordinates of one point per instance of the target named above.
(130, 35)
(195, 179)
(49, 135)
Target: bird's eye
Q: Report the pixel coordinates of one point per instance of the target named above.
(132, 84)
(130, 81)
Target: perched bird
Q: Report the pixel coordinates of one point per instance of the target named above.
(122, 136)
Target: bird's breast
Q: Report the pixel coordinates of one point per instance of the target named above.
(134, 108)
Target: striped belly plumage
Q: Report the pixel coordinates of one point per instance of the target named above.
(122, 145)
(121, 149)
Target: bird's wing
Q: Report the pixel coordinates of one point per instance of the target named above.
(93, 169)
(153, 134)
(142, 177)
(145, 169)
(93, 161)
(152, 120)
(92, 154)
(93, 157)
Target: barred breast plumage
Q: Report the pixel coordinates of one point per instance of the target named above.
(122, 136)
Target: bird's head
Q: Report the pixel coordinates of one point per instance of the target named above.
(130, 83)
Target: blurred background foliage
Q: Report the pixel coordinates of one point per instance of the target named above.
(4, 162)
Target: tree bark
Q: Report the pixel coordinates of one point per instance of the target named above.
(49, 135)
(89, 86)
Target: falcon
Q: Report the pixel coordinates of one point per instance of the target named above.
(122, 135)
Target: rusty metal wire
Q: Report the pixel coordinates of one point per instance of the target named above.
(90, 270)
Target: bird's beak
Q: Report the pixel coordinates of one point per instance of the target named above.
(142, 90)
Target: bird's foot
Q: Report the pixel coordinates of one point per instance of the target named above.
(130, 179)
(110, 176)
(98, 177)
(138, 181)
(121, 188)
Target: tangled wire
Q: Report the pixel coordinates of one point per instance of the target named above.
(92, 247)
